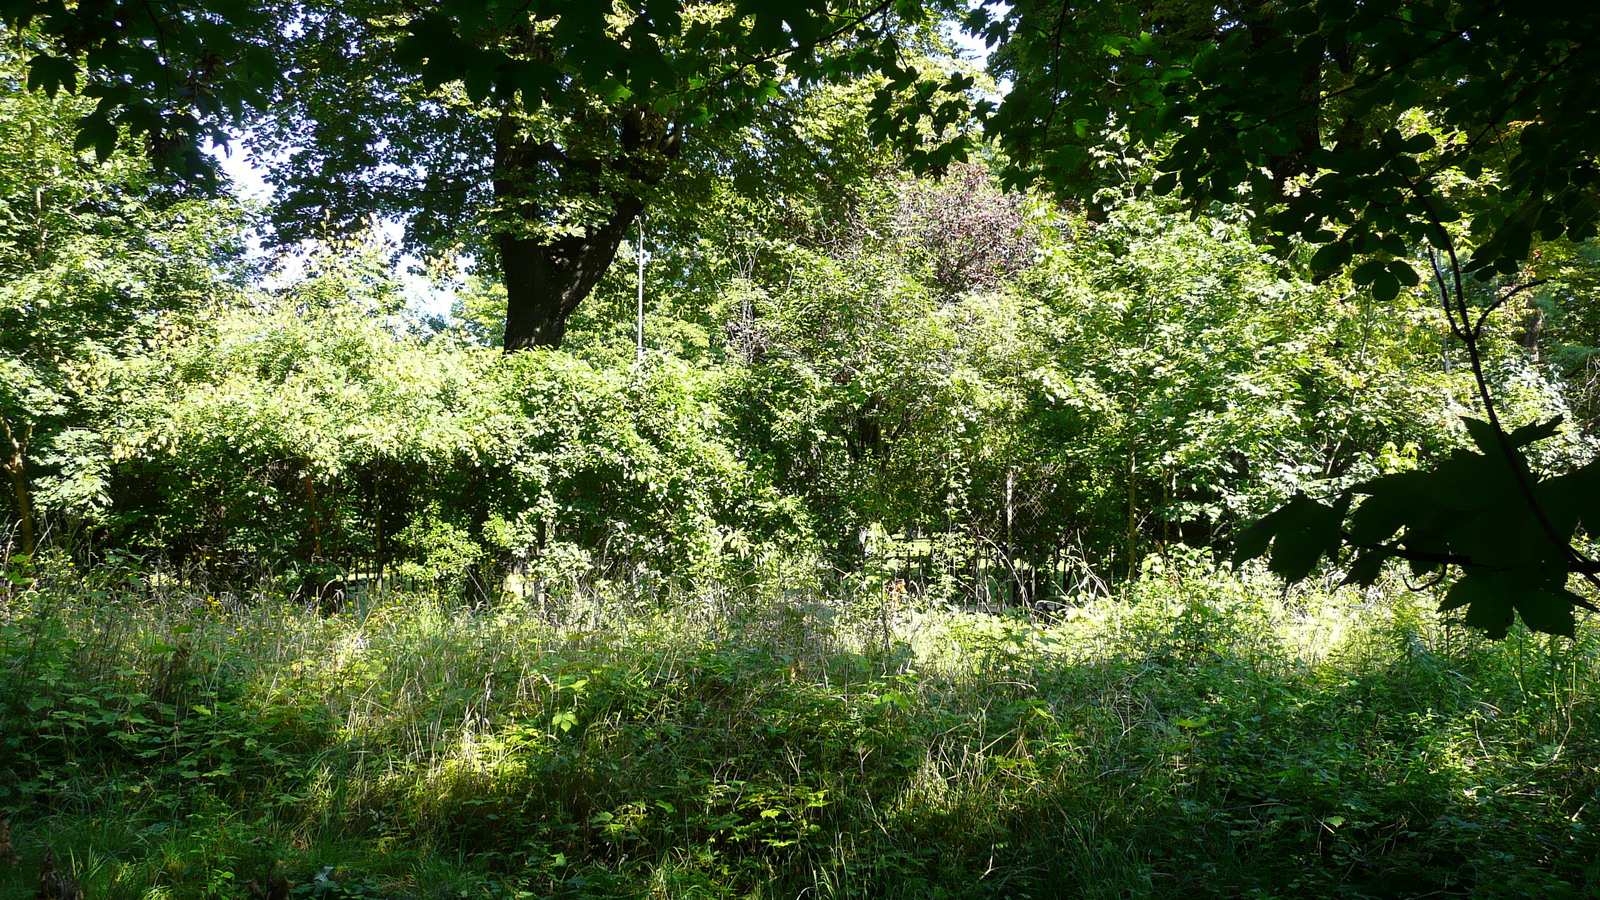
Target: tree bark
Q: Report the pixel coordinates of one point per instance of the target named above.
(546, 280)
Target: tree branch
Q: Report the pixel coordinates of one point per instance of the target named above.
(1469, 334)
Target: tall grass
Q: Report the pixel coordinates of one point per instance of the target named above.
(1198, 735)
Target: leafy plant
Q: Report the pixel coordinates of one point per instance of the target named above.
(1485, 512)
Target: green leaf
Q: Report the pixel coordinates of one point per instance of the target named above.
(1535, 432)
(1385, 287)
(1488, 605)
(1466, 590)
(1418, 143)
(1548, 612)
(1253, 541)
(1392, 504)
(1330, 257)
(1368, 271)
(1306, 532)
(1366, 568)
(52, 73)
(1483, 434)
(96, 130)
(1577, 494)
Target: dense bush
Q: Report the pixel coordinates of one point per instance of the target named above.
(96, 263)
(330, 441)
(1147, 378)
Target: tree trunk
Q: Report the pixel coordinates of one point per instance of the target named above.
(545, 281)
(17, 473)
(545, 276)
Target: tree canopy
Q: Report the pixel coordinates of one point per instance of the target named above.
(530, 135)
(1363, 127)
(1349, 121)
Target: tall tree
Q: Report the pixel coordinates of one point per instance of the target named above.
(545, 184)
(90, 257)
(530, 133)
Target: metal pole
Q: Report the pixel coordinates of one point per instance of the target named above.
(639, 252)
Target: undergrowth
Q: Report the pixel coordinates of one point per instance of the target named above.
(1200, 735)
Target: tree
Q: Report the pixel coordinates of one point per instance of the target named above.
(91, 260)
(534, 134)
(546, 188)
(1381, 131)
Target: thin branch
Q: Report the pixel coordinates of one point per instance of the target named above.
(1483, 317)
(166, 57)
(1576, 560)
(1587, 568)
(1444, 296)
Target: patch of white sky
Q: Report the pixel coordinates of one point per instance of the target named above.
(426, 296)
(971, 47)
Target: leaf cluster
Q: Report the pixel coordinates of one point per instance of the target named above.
(1480, 511)
(1303, 109)
(170, 76)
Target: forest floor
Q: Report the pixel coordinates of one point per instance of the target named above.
(1199, 735)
